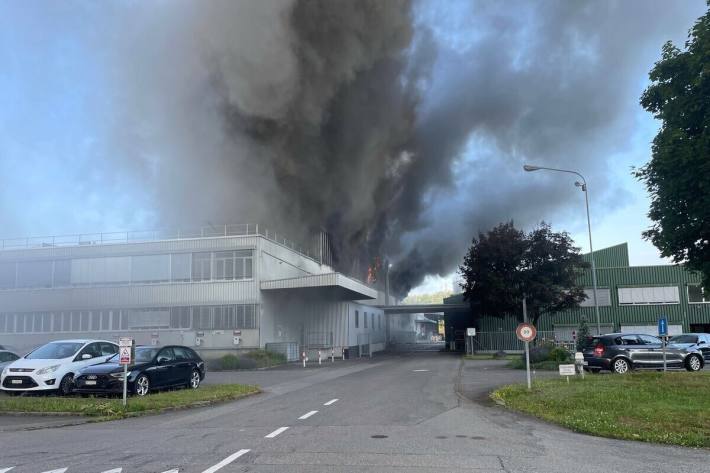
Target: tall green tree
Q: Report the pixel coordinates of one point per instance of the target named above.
(506, 264)
(678, 175)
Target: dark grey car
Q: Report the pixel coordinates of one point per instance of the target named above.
(622, 352)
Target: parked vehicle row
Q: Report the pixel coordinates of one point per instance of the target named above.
(92, 367)
(623, 352)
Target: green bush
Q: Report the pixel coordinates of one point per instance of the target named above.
(540, 352)
(229, 362)
(559, 355)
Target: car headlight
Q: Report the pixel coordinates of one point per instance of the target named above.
(47, 370)
(4, 372)
(120, 375)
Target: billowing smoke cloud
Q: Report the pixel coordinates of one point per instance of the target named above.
(398, 127)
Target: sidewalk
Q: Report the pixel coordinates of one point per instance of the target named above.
(477, 378)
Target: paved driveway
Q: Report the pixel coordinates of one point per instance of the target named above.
(403, 413)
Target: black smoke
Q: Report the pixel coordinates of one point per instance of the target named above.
(398, 127)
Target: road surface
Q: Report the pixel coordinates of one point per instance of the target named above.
(421, 412)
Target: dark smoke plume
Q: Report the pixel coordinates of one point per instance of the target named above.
(399, 128)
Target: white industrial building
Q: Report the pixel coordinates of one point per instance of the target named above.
(217, 289)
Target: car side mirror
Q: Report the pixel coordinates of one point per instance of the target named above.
(86, 356)
(701, 342)
(162, 361)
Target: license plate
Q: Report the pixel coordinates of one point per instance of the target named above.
(90, 383)
(16, 381)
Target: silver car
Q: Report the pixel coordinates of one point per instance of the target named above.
(693, 341)
(7, 357)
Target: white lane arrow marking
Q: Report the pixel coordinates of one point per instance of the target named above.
(226, 461)
(332, 401)
(5, 470)
(276, 432)
(61, 470)
(307, 415)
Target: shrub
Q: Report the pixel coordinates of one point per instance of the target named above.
(539, 353)
(229, 362)
(499, 355)
(559, 354)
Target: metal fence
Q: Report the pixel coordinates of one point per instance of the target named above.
(508, 341)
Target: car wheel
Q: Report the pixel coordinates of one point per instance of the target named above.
(194, 379)
(65, 386)
(142, 385)
(620, 366)
(693, 363)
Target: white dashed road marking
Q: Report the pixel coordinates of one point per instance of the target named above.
(307, 415)
(226, 461)
(276, 432)
(172, 471)
(332, 401)
(419, 371)
(5, 470)
(61, 470)
(115, 470)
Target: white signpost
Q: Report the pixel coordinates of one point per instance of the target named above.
(567, 371)
(526, 333)
(125, 357)
(470, 333)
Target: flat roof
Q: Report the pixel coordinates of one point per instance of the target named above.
(335, 284)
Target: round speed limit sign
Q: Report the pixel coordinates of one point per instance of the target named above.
(526, 332)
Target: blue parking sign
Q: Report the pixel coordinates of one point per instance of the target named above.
(662, 327)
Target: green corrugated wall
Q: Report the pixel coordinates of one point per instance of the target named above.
(614, 272)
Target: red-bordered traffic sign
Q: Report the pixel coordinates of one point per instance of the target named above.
(526, 332)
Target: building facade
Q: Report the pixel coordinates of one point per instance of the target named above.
(232, 287)
(630, 299)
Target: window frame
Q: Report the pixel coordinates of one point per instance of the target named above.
(702, 294)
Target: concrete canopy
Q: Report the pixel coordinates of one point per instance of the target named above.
(334, 285)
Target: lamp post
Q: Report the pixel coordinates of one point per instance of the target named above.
(583, 186)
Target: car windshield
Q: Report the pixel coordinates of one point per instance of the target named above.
(684, 339)
(143, 355)
(55, 351)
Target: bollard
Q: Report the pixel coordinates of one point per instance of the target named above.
(319, 357)
(303, 356)
(332, 355)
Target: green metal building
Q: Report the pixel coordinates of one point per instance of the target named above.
(631, 299)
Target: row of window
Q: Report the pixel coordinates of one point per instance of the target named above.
(364, 320)
(110, 270)
(220, 317)
(645, 296)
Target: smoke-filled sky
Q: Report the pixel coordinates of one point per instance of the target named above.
(399, 127)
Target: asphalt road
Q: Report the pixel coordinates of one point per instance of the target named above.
(400, 413)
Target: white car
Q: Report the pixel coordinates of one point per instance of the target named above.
(52, 367)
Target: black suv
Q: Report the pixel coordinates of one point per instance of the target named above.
(621, 352)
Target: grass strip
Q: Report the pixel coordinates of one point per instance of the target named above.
(489, 356)
(548, 365)
(112, 407)
(670, 408)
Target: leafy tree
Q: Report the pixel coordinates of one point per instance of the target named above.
(582, 334)
(678, 175)
(506, 264)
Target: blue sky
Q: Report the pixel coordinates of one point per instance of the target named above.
(60, 164)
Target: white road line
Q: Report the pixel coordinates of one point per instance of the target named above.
(332, 401)
(61, 470)
(276, 432)
(5, 470)
(307, 415)
(419, 371)
(172, 471)
(226, 461)
(115, 470)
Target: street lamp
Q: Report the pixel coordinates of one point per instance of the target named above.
(583, 186)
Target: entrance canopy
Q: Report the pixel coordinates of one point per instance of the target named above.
(424, 308)
(335, 285)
